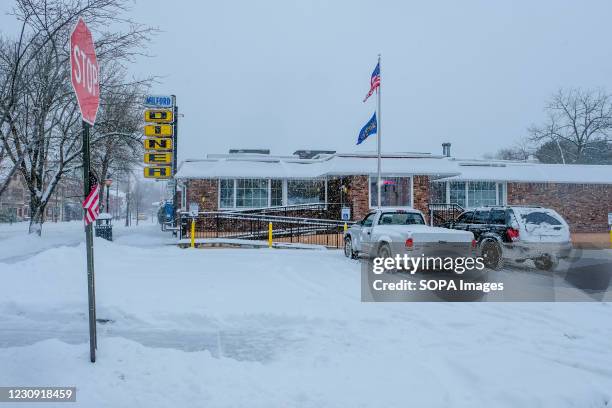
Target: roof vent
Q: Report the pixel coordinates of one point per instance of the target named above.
(482, 164)
(446, 149)
(249, 151)
(309, 154)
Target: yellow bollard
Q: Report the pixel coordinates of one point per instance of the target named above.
(270, 235)
(610, 236)
(193, 233)
(345, 227)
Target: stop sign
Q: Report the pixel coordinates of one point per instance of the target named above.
(84, 71)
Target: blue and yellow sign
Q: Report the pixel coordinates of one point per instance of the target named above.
(158, 158)
(158, 130)
(158, 172)
(158, 115)
(158, 143)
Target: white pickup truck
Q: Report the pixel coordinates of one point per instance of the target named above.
(390, 231)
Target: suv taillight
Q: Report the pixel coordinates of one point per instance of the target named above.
(473, 244)
(513, 234)
(410, 244)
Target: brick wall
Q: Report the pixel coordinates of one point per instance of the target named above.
(358, 196)
(208, 189)
(420, 190)
(585, 207)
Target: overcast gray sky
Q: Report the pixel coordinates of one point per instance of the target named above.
(289, 75)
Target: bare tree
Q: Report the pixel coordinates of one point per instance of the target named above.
(39, 120)
(578, 122)
(517, 153)
(117, 137)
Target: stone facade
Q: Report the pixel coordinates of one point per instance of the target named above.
(585, 207)
(206, 189)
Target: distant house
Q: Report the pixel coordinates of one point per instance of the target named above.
(63, 205)
(13, 202)
(234, 181)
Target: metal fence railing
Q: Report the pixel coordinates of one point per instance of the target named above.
(241, 225)
(441, 213)
(329, 211)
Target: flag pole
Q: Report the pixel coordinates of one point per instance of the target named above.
(378, 184)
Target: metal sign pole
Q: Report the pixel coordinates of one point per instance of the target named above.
(175, 222)
(91, 290)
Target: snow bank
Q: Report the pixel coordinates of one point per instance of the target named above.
(268, 327)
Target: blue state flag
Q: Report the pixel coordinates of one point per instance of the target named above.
(369, 129)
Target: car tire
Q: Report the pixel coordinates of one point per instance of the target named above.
(348, 248)
(545, 263)
(384, 251)
(492, 255)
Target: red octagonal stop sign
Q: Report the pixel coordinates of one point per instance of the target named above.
(84, 71)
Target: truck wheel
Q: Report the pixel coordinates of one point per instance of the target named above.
(491, 253)
(348, 248)
(545, 263)
(384, 251)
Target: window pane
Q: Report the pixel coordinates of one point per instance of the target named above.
(305, 192)
(226, 194)
(394, 192)
(401, 219)
(368, 220)
(437, 192)
(500, 198)
(457, 193)
(466, 217)
(251, 193)
(481, 193)
(498, 217)
(539, 217)
(276, 195)
(481, 217)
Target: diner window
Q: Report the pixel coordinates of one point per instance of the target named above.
(394, 192)
(226, 193)
(501, 194)
(305, 192)
(276, 193)
(437, 192)
(469, 194)
(481, 193)
(457, 193)
(251, 193)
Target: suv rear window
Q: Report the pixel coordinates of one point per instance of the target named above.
(539, 217)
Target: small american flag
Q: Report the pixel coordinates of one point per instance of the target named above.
(91, 205)
(374, 81)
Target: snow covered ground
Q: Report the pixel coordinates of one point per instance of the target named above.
(272, 328)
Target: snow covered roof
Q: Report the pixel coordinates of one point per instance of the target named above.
(393, 164)
(533, 172)
(258, 166)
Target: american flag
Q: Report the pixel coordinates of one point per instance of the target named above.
(374, 81)
(91, 205)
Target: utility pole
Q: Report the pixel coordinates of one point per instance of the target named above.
(127, 203)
